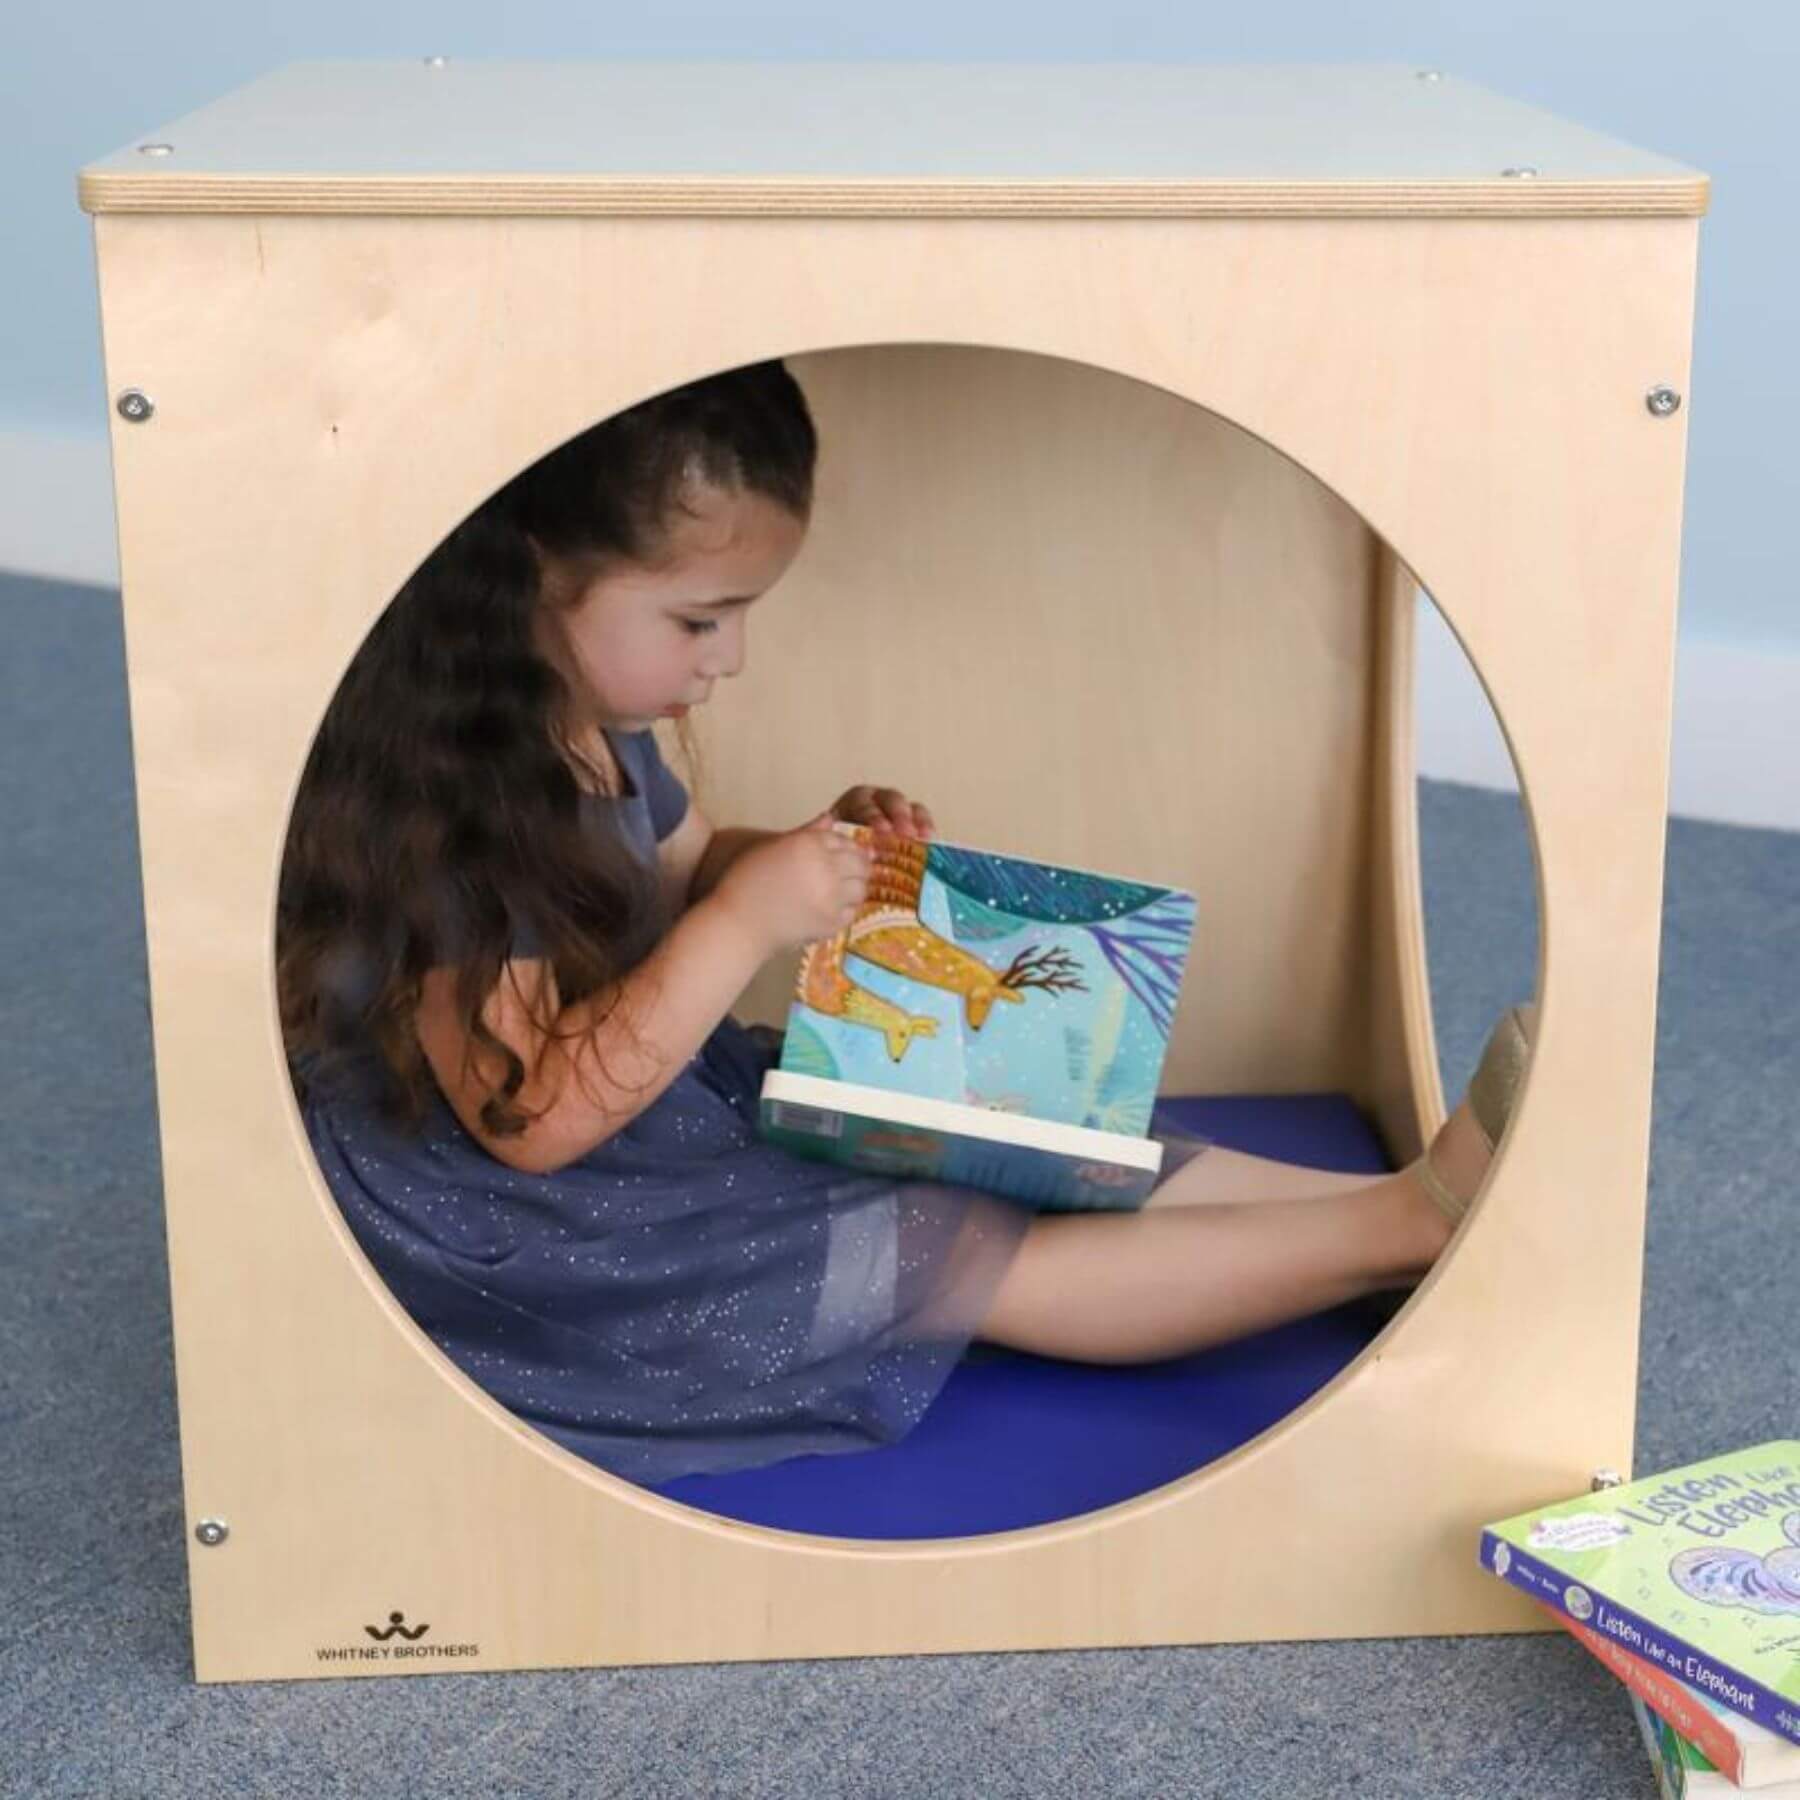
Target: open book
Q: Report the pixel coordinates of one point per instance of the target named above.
(988, 1021)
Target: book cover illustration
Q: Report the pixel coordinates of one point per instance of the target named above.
(990, 982)
(1696, 1571)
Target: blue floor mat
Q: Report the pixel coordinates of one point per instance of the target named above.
(1018, 1440)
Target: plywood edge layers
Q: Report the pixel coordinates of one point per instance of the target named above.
(602, 196)
(1406, 1093)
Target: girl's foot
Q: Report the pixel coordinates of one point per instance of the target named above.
(1450, 1173)
(1449, 1176)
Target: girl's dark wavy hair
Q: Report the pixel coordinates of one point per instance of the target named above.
(440, 802)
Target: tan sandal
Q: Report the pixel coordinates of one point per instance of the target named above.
(1492, 1094)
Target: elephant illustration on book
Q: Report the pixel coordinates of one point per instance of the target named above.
(1764, 1584)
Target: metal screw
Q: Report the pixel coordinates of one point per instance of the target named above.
(1429, 75)
(212, 1532)
(156, 149)
(436, 62)
(1606, 1478)
(1524, 172)
(136, 406)
(1662, 401)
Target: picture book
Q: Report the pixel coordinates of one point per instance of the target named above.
(1745, 1755)
(1684, 1771)
(1696, 1572)
(990, 1021)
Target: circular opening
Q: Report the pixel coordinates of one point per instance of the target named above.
(1089, 624)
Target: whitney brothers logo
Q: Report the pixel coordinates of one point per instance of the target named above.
(385, 1648)
(396, 1627)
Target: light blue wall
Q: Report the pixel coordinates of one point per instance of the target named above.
(1711, 86)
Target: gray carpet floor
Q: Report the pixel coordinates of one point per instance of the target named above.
(96, 1695)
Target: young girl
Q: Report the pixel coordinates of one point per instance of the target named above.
(507, 946)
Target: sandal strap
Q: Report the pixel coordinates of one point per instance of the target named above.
(1452, 1206)
(1495, 1086)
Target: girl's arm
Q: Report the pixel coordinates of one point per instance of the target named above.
(604, 1063)
(609, 1057)
(694, 857)
(726, 847)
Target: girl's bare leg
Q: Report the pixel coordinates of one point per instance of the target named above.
(1217, 1175)
(1136, 1287)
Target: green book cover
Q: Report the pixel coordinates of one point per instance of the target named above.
(1678, 1766)
(1697, 1571)
(1683, 1770)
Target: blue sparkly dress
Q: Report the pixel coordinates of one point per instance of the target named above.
(684, 1299)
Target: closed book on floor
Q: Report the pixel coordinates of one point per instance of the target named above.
(1743, 1753)
(1696, 1571)
(1685, 1772)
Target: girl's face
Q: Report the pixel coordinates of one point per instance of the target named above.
(640, 642)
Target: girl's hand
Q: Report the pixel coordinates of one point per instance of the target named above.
(799, 886)
(885, 809)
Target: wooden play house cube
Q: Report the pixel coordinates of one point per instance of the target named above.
(1147, 397)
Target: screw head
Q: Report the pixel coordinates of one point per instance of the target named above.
(156, 149)
(1663, 401)
(137, 406)
(1520, 172)
(212, 1532)
(436, 62)
(1429, 75)
(1606, 1478)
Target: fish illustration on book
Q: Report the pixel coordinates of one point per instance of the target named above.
(888, 933)
(824, 986)
(988, 1020)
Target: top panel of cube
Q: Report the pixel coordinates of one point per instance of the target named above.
(837, 139)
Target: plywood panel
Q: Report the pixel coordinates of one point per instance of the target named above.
(1062, 608)
(332, 395)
